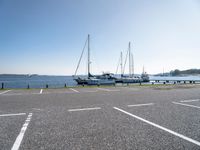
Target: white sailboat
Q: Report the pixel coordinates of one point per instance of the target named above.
(145, 76)
(90, 79)
(130, 78)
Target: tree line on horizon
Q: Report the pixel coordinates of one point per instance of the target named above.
(178, 72)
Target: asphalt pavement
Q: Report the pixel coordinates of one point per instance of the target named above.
(135, 117)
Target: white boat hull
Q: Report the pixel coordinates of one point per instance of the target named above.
(100, 82)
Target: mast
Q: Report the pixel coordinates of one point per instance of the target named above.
(132, 64)
(129, 49)
(88, 55)
(163, 71)
(121, 63)
(143, 70)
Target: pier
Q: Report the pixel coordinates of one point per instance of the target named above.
(173, 81)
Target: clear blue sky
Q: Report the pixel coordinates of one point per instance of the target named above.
(47, 36)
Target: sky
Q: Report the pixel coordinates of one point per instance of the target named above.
(46, 37)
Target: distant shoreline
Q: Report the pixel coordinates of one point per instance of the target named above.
(181, 73)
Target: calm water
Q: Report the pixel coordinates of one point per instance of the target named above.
(13, 81)
(22, 81)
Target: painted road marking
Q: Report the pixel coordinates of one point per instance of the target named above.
(186, 105)
(191, 100)
(107, 90)
(7, 115)
(74, 90)
(5, 92)
(41, 91)
(160, 127)
(19, 138)
(37, 109)
(16, 94)
(89, 91)
(135, 105)
(82, 109)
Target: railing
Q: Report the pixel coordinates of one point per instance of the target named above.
(65, 85)
(176, 81)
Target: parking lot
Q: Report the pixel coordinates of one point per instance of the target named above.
(135, 117)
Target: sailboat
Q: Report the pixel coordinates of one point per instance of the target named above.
(128, 78)
(104, 79)
(145, 76)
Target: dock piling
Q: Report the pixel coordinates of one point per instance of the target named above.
(2, 85)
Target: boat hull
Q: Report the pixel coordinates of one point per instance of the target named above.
(100, 82)
(81, 81)
(95, 81)
(128, 80)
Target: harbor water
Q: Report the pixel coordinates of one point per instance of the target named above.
(41, 81)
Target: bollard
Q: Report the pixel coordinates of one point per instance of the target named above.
(28, 87)
(83, 85)
(65, 85)
(184, 82)
(152, 83)
(193, 82)
(47, 86)
(140, 83)
(2, 85)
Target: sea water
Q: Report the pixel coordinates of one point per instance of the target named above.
(40, 81)
(36, 81)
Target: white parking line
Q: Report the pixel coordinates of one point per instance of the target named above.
(38, 109)
(186, 105)
(41, 91)
(7, 115)
(107, 90)
(160, 127)
(74, 90)
(190, 100)
(13, 94)
(5, 92)
(147, 104)
(81, 109)
(19, 138)
(90, 91)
